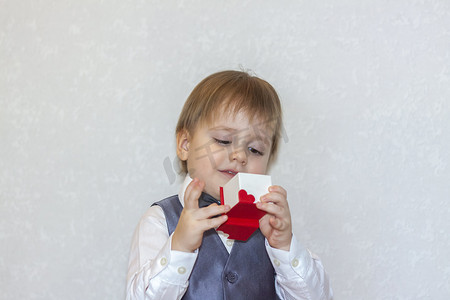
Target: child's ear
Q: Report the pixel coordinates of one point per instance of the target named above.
(183, 140)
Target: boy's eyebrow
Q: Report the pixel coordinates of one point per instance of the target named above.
(229, 129)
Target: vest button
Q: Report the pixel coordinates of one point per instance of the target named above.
(231, 277)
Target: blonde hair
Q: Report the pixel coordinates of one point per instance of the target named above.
(232, 91)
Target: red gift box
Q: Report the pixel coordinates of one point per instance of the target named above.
(243, 218)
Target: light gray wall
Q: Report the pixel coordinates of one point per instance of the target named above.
(90, 92)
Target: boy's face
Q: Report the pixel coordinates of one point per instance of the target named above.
(231, 144)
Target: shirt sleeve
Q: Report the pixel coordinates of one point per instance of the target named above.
(154, 270)
(299, 273)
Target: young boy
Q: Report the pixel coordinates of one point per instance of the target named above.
(230, 123)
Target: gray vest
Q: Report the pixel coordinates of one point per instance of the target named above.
(246, 273)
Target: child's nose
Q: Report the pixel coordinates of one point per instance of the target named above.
(240, 156)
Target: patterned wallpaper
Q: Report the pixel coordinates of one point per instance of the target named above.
(90, 92)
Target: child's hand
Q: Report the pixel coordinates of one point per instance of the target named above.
(188, 234)
(276, 225)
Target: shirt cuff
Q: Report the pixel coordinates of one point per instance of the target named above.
(290, 264)
(176, 265)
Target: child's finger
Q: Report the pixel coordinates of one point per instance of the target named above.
(278, 189)
(193, 192)
(275, 202)
(214, 222)
(276, 195)
(270, 208)
(213, 210)
(273, 198)
(277, 223)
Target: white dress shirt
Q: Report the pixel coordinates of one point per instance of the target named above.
(157, 272)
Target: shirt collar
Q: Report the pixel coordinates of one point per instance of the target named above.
(185, 184)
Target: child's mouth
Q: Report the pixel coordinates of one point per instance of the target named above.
(229, 173)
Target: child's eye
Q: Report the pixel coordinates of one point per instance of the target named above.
(222, 142)
(255, 151)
